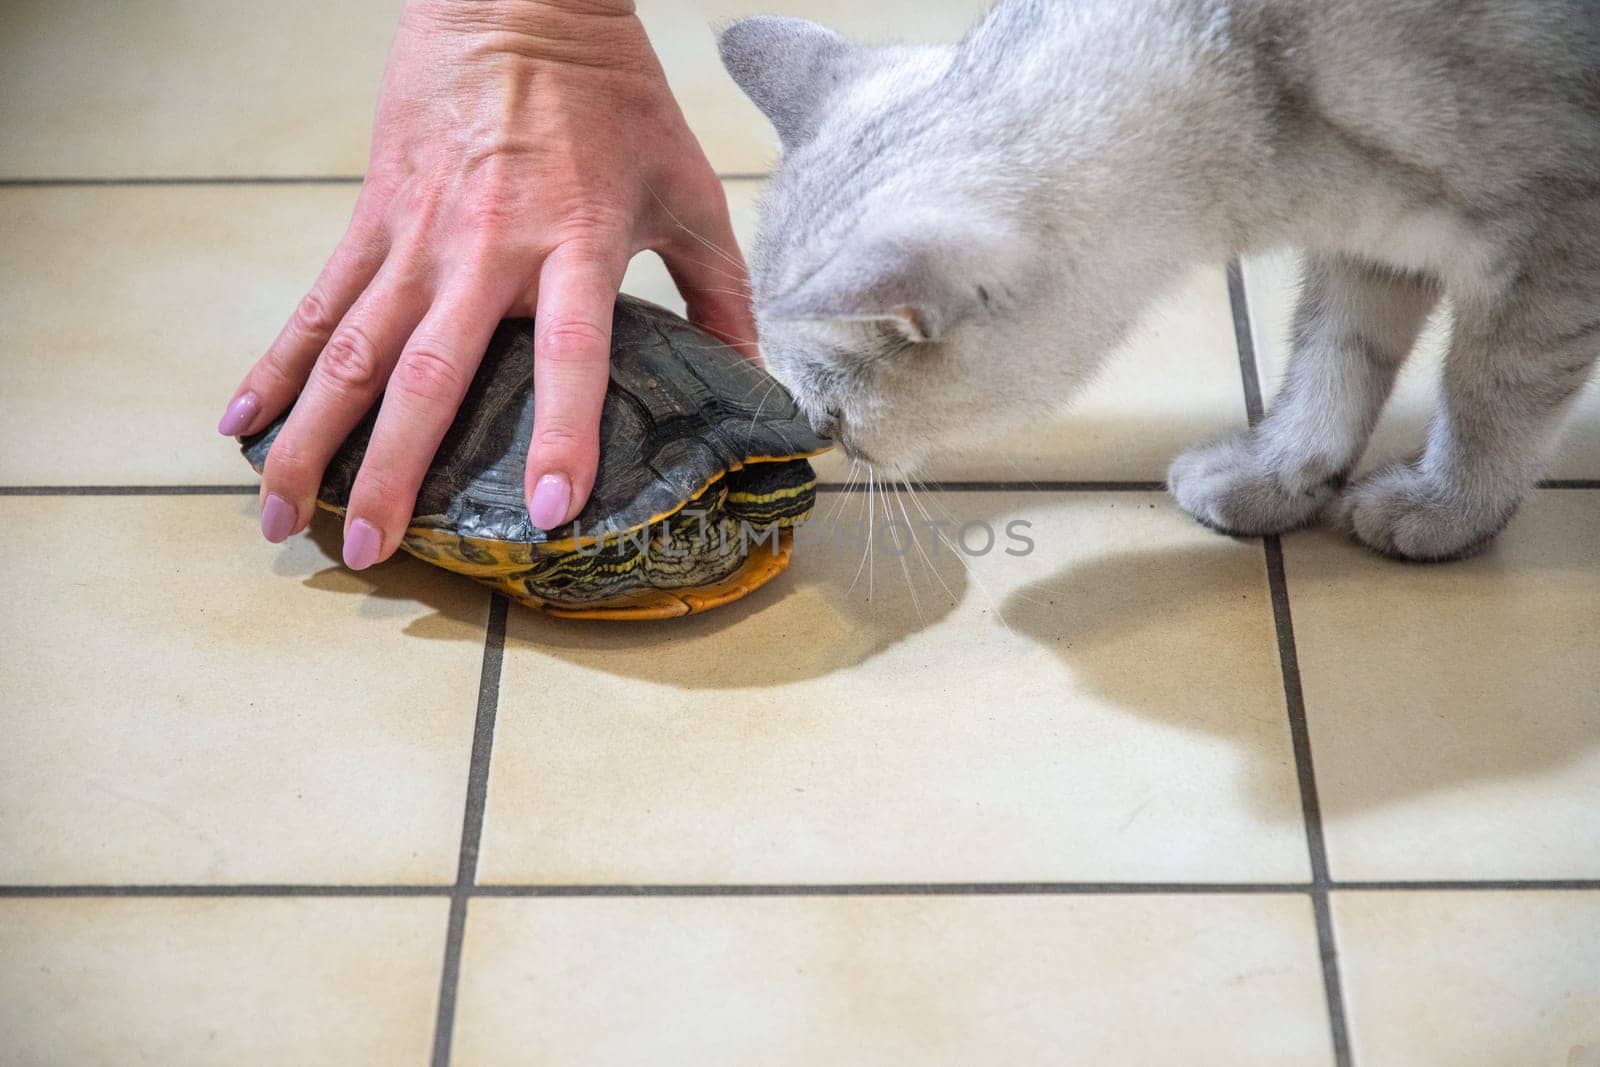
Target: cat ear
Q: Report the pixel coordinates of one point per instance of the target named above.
(787, 67)
(906, 283)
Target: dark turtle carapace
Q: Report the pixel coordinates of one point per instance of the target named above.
(702, 478)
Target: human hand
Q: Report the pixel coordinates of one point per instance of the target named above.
(523, 151)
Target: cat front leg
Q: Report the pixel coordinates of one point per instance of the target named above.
(1511, 373)
(1354, 326)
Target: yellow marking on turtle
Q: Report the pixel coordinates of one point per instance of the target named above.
(570, 544)
(757, 570)
(511, 560)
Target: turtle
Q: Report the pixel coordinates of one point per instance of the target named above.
(703, 478)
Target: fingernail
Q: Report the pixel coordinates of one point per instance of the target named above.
(278, 518)
(551, 496)
(361, 545)
(240, 413)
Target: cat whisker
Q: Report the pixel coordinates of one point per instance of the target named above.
(972, 573)
(753, 418)
(923, 552)
(866, 549)
(872, 562)
(1027, 480)
(888, 521)
(732, 259)
(717, 268)
(844, 494)
(713, 289)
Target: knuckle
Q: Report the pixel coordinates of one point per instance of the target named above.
(350, 360)
(289, 466)
(599, 219)
(489, 216)
(380, 494)
(313, 315)
(426, 374)
(573, 340)
(560, 439)
(269, 377)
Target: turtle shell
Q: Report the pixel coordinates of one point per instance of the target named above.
(687, 423)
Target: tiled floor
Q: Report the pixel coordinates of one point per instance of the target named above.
(1141, 795)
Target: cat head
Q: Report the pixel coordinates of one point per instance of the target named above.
(899, 287)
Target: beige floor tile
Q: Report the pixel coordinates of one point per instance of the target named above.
(184, 703)
(1124, 721)
(1174, 383)
(926, 980)
(1471, 979)
(129, 316)
(184, 87)
(1271, 282)
(1453, 715)
(240, 982)
(190, 87)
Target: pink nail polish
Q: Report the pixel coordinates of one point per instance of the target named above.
(240, 414)
(551, 496)
(362, 542)
(278, 518)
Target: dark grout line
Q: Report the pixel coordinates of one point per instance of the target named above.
(1310, 802)
(1244, 341)
(494, 645)
(129, 490)
(247, 179)
(1001, 487)
(177, 180)
(1488, 885)
(898, 889)
(482, 742)
(23, 892)
(802, 889)
(1294, 695)
(1088, 486)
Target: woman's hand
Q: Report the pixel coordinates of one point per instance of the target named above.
(523, 151)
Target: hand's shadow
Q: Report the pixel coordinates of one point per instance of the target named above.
(390, 590)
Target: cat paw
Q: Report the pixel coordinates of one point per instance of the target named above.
(1402, 513)
(1229, 487)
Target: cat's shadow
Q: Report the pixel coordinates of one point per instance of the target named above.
(835, 608)
(1438, 732)
(1181, 636)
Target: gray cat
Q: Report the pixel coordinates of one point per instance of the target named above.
(957, 235)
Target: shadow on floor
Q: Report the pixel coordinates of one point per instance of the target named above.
(827, 613)
(392, 589)
(1441, 727)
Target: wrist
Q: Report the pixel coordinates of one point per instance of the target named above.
(527, 16)
(592, 33)
(597, 34)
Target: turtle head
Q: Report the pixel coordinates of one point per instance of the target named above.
(898, 279)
